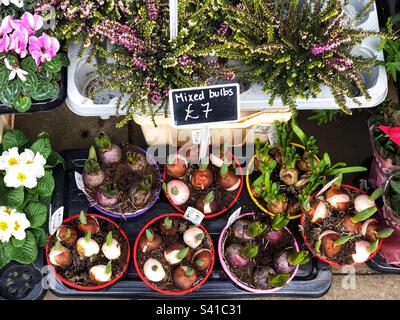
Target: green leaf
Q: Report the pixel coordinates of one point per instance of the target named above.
(298, 258)
(149, 235)
(183, 253)
(43, 146)
(25, 254)
(4, 74)
(54, 160)
(17, 243)
(11, 91)
(109, 238)
(55, 90)
(250, 251)
(167, 223)
(14, 138)
(45, 185)
(256, 228)
(40, 236)
(373, 247)
(279, 280)
(376, 194)
(318, 246)
(22, 103)
(386, 233)
(342, 240)
(15, 197)
(53, 66)
(280, 221)
(30, 84)
(29, 64)
(44, 91)
(36, 213)
(364, 215)
(63, 58)
(4, 258)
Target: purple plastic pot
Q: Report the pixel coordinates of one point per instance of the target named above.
(141, 211)
(225, 265)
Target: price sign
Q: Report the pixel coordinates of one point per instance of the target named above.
(205, 105)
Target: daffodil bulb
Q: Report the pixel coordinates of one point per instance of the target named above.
(153, 270)
(193, 237)
(87, 247)
(100, 273)
(111, 248)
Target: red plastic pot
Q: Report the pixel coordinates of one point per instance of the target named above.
(166, 292)
(322, 258)
(98, 287)
(215, 214)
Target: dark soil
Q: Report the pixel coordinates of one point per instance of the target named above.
(223, 198)
(312, 231)
(289, 192)
(78, 272)
(266, 255)
(158, 254)
(122, 175)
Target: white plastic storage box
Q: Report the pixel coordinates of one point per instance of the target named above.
(253, 99)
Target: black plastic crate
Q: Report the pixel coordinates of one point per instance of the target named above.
(379, 264)
(26, 280)
(312, 280)
(41, 106)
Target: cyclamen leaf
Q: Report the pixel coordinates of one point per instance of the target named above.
(11, 91)
(29, 64)
(4, 74)
(22, 103)
(53, 66)
(30, 84)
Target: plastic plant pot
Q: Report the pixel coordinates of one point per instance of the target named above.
(390, 215)
(147, 282)
(248, 186)
(225, 266)
(130, 215)
(325, 259)
(220, 212)
(95, 287)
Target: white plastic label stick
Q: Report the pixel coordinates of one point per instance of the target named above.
(327, 186)
(204, 143)
(56, 220)
(173, 19)
(193, 215)
(233, 217)
(79, 182)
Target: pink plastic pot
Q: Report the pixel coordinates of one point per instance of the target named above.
(225, 265)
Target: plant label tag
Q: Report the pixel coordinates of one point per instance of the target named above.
(196, 136)
(79, 182)
(272, 136)
(204, 143)
(193, 215)
(56, 220)
(233, 217)
(173, 19)
(327, 186)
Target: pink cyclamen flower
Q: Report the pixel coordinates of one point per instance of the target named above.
(7, 24)
(43, 48)
(31, 23)
(19, 43)
(4, 42)
(392, 132)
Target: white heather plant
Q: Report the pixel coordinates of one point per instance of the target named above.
(26, 187)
